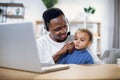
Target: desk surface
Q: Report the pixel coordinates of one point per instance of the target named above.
(101, 71)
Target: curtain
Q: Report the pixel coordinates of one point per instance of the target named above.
(116, 29)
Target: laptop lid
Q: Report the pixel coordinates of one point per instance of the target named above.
(18, 48)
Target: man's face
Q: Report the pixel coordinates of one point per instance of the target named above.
(58, 29)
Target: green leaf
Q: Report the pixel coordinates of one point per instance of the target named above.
(89, 9)
(93, 11)
(49, 3)
(86, 10)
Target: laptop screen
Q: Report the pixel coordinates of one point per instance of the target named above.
(18, 46)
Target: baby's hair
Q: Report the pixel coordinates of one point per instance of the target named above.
(86, 31)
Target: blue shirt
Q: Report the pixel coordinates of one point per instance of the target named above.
(77, 57)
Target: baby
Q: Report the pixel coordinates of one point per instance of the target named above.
(82, 40)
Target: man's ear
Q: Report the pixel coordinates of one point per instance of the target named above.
(46, 28)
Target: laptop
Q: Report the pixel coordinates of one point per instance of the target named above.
(18, 49)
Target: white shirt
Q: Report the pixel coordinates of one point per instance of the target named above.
(47, 48)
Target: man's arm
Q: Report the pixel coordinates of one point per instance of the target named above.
(67, 48)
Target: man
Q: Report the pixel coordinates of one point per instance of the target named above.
(56, 42)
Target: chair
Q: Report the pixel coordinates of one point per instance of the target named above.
(110, 56)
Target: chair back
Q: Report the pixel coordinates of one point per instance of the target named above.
(110, 56)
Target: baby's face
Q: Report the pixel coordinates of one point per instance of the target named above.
(81, 40)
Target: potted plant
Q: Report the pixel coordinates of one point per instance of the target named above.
(49, 3)
(88, 10)
(17, 11)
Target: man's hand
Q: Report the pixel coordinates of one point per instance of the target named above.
(67, 48)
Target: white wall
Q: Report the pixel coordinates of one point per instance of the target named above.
(74, 11)
(33, 8)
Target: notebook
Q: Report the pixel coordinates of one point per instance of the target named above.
(18, 49)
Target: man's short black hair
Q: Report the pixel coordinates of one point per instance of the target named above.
(50, 14)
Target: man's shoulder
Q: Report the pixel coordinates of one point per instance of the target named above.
(42, 38)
